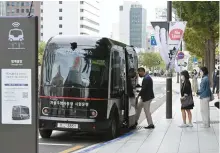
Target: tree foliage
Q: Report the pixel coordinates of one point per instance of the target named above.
(151, 59)
(202, 33)
(202, 22)
(41, 48)
(201, 15)
(194, 41)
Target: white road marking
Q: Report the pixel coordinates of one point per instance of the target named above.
(54, 144)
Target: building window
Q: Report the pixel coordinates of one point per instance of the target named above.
(22, 3)
(81, 2)
(41, 26)
(12, 4)
(17, 11)
(81, 10)
(41, 34)
(32, 10)
(12, 11)
(60, 2)
(18, 4)
(91, 21)
(22, 10)
(42, 11)
(60, 33)
(27, 10)
(8, 3)
(26, 3)
(121, 8)
(60, 26)
(60, 18)
(89, 28)
(60, 10)
(41, 18)
(41, 3)
(83, 33)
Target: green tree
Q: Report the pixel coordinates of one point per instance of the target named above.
(203, 24)
(194, 42)
(41, 48)
(151, 59)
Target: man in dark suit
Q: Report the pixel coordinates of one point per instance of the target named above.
(145, 96)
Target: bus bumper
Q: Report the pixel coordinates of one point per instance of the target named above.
(83, 125)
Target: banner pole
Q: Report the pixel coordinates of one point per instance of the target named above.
(169, 77)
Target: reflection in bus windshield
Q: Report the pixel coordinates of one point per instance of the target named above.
(74, 68)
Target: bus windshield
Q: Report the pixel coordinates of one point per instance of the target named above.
(25, 110)
(82, 67)
(16, 32)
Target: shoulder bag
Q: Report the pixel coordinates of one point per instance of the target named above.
(187, 100)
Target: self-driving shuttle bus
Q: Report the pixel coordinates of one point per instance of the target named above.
(83, 86)
(20, 112)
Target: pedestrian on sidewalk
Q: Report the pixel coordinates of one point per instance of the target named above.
(217, 82)
(214, 78)
(186, 99)
(194, 82)
(145, 96)
(205, 96)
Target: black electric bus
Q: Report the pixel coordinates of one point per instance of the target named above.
(84, 86)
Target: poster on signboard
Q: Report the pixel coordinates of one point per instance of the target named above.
(16, 96)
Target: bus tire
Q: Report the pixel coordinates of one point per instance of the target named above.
(45, 133)
(114, 128)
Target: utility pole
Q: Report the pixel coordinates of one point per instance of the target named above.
(169, 77)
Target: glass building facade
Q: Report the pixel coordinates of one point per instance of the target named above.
(138, 26)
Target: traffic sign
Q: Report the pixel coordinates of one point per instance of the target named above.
(180, 55)
(195, 60)
(153, 41)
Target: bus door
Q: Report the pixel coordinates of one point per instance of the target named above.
(118, 79)
(130, 64)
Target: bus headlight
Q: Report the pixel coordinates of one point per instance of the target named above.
(93, 113)
(45, 111)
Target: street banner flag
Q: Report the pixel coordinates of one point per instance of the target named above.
(168, 36)
(161, 35)
(176, 31)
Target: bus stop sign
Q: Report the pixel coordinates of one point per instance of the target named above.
(18, 72)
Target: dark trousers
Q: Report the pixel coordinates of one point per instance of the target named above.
(214, 86)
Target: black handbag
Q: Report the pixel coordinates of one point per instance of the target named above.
(187, 100)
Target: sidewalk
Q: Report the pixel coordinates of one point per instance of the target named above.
(167, 137)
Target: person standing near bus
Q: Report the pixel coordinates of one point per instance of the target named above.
(145, 96)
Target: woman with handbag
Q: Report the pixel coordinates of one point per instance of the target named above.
(186, 99)
(205, 97)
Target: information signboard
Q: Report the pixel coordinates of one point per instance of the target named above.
(18, 94)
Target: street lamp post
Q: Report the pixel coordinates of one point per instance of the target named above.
(169, 78)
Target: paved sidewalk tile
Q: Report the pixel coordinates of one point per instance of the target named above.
(168, 137)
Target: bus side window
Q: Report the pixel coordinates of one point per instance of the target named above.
(115, 75)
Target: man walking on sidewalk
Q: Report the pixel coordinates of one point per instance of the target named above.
(146, 95)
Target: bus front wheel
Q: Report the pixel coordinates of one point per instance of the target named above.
(114, 129)
(45, 133)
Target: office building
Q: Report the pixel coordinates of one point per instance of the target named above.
(69, 18)
(2, 8)
(138, 25)
(115, 32)
(124, 22)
